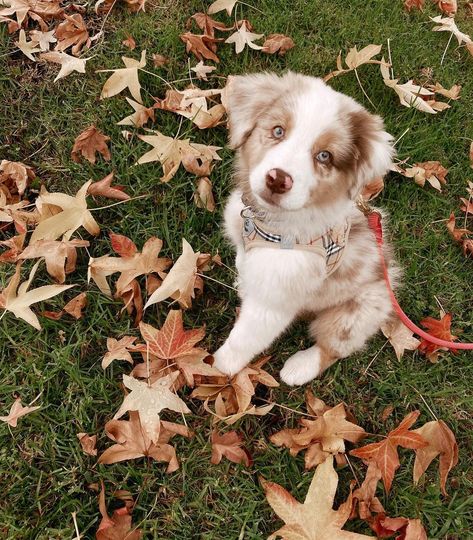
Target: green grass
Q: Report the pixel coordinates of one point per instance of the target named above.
(44, 475)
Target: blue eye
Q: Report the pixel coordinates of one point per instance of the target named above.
(323, 156)
(278, 132)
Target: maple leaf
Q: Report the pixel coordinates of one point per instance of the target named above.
(15, 173)
(411, 4)
(410, 529)
(457, 234)
(129, 42)
(277, 43)
(118, 527)
(123, 78)
(315, 519)
(118, 350)
(15, 245)
(55, 254)
(449, 7)
(150, 400)
(36, 9)
(400, 337)
(74, 307)
(439, 329)
(16, 298)
(132, 442)
(140, 117)
(131, 264)
(172, 152)
(74, 214)
(43, 39)
(384, 453)
(364, 496)
(68, 63)
(447, 24)
(103, 188)
(467, 205)
(452, 93)
(180, 281)
(207, 24)
(243, 37)
(229, 445)
(201, 70)
(441, 442)
(72, 32)
(88, 143)
(28, 48)
(355, 58)
(201, 46)
(203, 196)
(88, 443)
(410, 94)
(17, 411)
(220, 5)
(373, 189)
(431, 171)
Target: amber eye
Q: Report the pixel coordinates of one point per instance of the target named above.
(323, 157)
(278, 132)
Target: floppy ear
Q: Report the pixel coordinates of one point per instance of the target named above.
(374, 150)
(245, 96)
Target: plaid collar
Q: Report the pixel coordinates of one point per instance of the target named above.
(330, 245)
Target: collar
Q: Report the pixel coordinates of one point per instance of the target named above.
(257, 233)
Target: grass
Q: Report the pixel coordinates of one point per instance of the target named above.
(44, 475)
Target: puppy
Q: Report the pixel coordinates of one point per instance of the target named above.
(304, 153)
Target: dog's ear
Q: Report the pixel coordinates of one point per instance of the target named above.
(245, 97)
(373, 148)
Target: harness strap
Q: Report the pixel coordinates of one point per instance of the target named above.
(374, 222)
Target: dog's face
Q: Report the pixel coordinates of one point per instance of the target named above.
(300, 143)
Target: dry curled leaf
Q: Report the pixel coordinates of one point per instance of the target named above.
(159, 60)
(432, 172)
(220, 5)
(413, 4)
(72, 32)
(203, 196)
(74, 308)
(43, 39)
(364, 498)
(17, 410)
(104, 188)
(15, 176)
(355, 58)
(277, 43)
(15, 248)
(129, 42)
(447, 24)
(88, 143)
(207, 24)
(315, 519)
(88, 443)
(229, 445)
(140, 117)
(449, 7)
(457, 234)
(117, 527)
(201, 46)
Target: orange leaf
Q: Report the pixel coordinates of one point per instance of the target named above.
(229, 445)
(88, 143)
(104, 188)
(439, 329)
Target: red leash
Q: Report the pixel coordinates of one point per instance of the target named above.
(374, 222)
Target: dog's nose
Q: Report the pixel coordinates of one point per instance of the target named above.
(278, 181)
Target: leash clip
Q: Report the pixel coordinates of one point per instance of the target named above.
(363, 206)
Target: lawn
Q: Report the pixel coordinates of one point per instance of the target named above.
(44, 474)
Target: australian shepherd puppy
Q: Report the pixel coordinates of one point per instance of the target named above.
(304, 154)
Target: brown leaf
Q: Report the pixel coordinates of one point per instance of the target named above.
(103, 188)
(431, 171)
(17, 410)
(449, 7)
(201, 46)
(441, 442)
(277, 43)
(15, 245)
(88, 143)
(364, 498)
(72, 32)
(15, 176)
(400, 337)
(229, 445)
(88, 443)
(457, 234)
(119, 526)
(118, 350)
(413, 4)
(159, 60)
(373, 189)
(355, 58)
(201, 70)
(207, 24)
(439, 329)
(203, 196)
(129, 42)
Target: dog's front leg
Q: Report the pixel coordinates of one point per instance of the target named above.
(257, 326)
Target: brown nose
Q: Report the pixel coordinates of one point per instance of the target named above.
(278, 181)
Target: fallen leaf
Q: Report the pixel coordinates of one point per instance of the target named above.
(17, 411)
(431, 171)
(201, 70)
(441, 442)
(74, 214)
(123, 78)
(16, 298)
(43, 39)
(203, 196)
(88, 143)
(315, 519)
(449, 7)
(15, 245)
(447, 24)
(452, 93)
(118, 350)
(220, 5)
(229, 445)
(140, 117)
(467, 205)
(364, 498)
(411, 4)
(243, 37)
(119, 526)
(400, 337)
(207, 24)
(277, 43)
(88, 443)
(68, 63)
(159, 60)
(35, 9)
(201, 46)
(15, 175)
(28, 48)
(72, 32)
(439, 329)
(457, 234)
(150, 400)
(103, 188)
(132, 442)
(129, 42)
(180, 281)
(384, 453)
(60, 256)
(356, 58)
(373, 189)
(172, 152)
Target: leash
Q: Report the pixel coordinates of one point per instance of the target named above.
(374, 223)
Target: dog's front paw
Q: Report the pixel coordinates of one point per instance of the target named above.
(228, 361)
(301, 367)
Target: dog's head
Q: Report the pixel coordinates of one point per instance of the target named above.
(300, 143)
